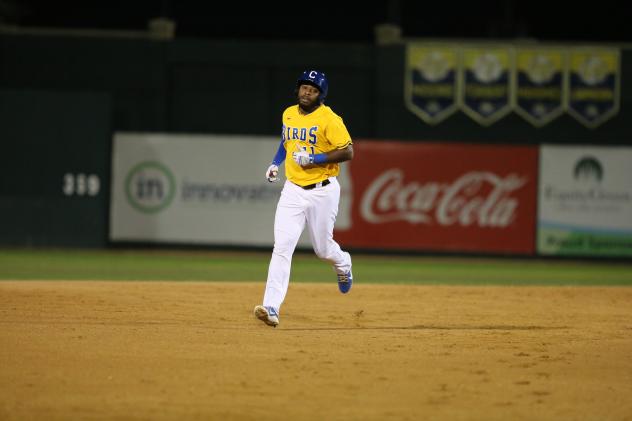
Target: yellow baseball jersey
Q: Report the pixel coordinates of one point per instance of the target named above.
(320, 131)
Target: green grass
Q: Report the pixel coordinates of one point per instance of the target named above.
(122, 265)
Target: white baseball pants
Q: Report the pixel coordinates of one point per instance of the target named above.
(318, 208)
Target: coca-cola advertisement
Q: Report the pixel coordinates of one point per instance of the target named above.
(439, 197)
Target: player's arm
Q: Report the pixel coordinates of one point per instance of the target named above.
(273, 169)
(332, 157)
(338, 136)
(304, 159)
(280, 155)
(337, 155)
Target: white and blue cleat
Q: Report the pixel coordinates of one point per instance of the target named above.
(268, 315)
(345, 281)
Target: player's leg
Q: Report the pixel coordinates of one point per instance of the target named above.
(289, 222)
(321, 217)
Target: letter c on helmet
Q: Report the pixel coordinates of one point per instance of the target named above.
(317, 79)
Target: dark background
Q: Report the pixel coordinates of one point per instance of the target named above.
(331, 21)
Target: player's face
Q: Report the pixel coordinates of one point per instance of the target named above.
(308, 96)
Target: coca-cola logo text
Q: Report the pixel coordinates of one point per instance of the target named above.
(477, 197)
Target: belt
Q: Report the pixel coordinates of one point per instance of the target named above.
(320, 184)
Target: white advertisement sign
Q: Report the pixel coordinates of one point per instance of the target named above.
(204, 189)
(199, 189)
(585, 200)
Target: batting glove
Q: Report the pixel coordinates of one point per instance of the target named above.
(272, 172)
(303, 158)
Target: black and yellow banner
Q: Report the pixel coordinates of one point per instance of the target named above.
(486, 83)
(539, 84)
(593, 85)
(431, 81)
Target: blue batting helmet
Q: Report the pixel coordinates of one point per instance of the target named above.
(317, 79)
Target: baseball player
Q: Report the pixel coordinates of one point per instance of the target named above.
(317, 140)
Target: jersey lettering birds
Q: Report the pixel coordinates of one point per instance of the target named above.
(318, 132)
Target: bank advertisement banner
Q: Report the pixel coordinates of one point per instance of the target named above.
(539, 84)
(431, 89)
(486, 81)
(192, 189)
(593, 85)
(585, 201)
(443, 197)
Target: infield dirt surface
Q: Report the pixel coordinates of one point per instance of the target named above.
(176, 350)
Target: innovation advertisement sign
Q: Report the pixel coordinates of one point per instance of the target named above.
(192, 189)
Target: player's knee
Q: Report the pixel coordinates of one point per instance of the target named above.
(325, 253)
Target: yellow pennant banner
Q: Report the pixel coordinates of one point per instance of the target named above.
(539, 84)
(486, 80)
(431, 81)
(593, 85)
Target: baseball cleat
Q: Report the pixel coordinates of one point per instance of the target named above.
(345, 281)
(267, 315)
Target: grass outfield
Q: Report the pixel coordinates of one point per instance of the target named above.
(122, 265)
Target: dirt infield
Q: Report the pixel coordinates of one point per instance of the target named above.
(153, 350)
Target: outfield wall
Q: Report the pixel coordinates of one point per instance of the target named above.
(55, 172)
(420, 197)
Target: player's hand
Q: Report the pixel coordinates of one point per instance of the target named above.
(272, 172)
(303, 158)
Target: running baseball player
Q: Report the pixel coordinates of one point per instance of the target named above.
(317, 140)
